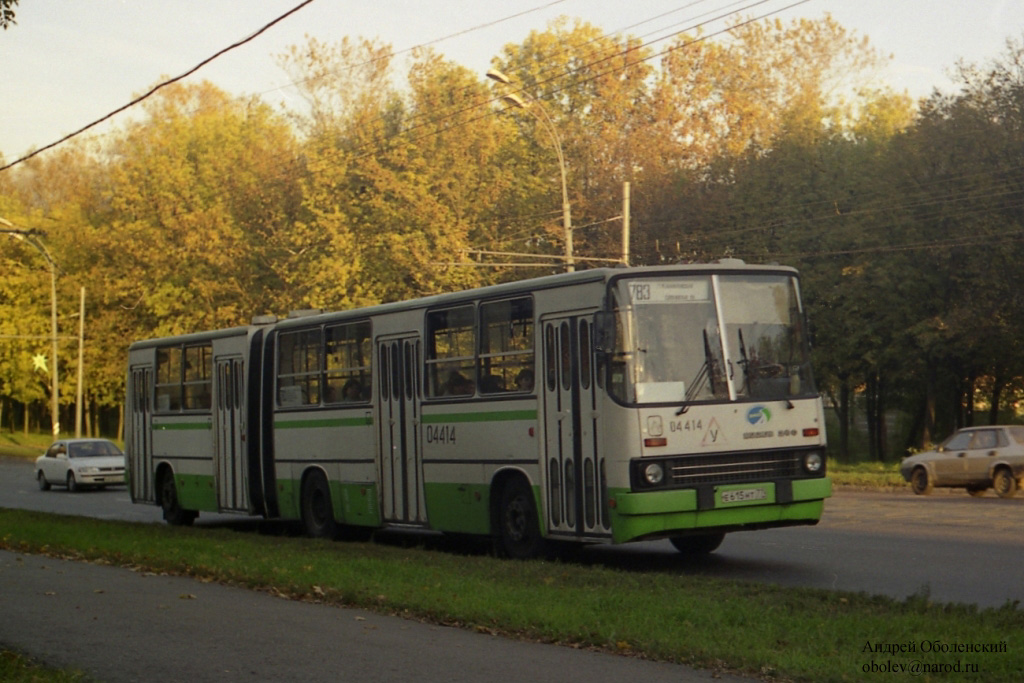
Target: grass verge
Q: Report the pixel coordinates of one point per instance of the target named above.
(16, 668)
(670, 615)
(875, 475)
(20, 445)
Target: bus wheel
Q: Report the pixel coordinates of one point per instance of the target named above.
(317, 511)
(174, 514)
(518, 526)
(1004, 483)
(920, 482)
(697, 545)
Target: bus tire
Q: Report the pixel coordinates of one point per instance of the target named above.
(174, 514)
(317, 510)
(519, 534)
(702, 544)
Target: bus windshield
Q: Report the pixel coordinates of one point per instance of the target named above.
(724, 337)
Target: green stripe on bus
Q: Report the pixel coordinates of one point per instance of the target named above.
(326, 422)
(179, 426)
(504, 416)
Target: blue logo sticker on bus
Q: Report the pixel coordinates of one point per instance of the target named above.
(759, 415)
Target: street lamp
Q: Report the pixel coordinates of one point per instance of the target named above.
(29, 236)
(532, 106)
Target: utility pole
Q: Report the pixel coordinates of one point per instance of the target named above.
(81, 354)
(625, 223)
(532, 106)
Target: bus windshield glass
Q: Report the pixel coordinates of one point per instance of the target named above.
(720, 337)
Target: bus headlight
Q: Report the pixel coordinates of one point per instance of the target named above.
(813, 462)
(654, 474)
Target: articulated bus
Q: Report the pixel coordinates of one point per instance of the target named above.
(601, 406)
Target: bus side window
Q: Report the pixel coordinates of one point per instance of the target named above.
(299, 367)
(168, 379)
(347, 363)
(198, 385)
(451, 352)
(506, 357)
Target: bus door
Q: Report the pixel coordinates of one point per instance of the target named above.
(229, 427)
(400, 458)
(572, 469)
(140, 443)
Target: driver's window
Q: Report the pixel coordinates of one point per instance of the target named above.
(958, 442)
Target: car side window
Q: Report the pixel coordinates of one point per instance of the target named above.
(985, 438)
(54, 450)
(959, 442)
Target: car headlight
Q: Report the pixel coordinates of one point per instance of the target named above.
(654, 473)
(89, 470)
(813, 462)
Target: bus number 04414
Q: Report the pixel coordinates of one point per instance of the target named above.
(441, 434)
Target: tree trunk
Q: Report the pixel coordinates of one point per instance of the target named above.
(997, 390)
(869, 412)
(844, 418)
(928, 426)
(883, 429)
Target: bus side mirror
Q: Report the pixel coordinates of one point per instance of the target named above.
(604, 331)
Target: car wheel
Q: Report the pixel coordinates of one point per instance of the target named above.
(920, 482)
(977, 491)
(697, 545)
(1004, 483)
(174, 514)
(519, 534)
(43, 484)
(72, 483)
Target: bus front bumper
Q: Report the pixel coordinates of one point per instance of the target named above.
(731, 507)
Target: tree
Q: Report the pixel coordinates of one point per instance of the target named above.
(198, 197)
(398, 183)
(7, 13)
(593, 87)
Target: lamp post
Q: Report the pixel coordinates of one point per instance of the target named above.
(531, 106)
(29, 236)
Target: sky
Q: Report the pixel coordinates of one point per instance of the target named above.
(67, 63)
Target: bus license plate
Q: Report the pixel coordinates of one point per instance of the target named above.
(743, 495)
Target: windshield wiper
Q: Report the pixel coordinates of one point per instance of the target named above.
(705, 374)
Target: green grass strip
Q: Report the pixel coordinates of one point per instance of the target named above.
(16, 668)
(670, 615)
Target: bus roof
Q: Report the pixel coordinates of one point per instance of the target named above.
(492, 291)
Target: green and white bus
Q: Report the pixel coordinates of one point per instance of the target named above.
(601, 406)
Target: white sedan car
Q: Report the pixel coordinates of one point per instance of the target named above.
(80, 463)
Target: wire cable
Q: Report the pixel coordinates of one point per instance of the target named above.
(161, 85)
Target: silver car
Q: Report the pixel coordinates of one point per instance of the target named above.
(80, 463)
(975, 458)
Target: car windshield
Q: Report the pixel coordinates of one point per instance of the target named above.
(709, 337)
(89, 449)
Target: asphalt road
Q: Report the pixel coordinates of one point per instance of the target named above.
(953, 547)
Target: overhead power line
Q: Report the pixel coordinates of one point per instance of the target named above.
(243, 42)
(157, 87)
